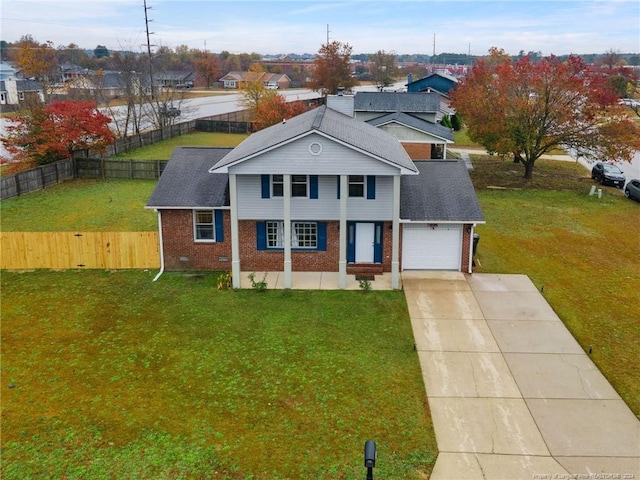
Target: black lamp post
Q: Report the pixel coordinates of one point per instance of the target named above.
(370, 455)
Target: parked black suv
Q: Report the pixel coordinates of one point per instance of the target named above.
(608, 174)
(632, 190)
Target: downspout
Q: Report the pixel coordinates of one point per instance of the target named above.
(161, 247)
(470, 267)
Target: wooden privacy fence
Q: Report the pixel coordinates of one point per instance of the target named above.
(66, 250)
(41, 177)
(118, 168)
(36, 178)
(131, 142)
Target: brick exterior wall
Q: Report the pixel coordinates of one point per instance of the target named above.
(418, 151)
(181, 252)
(252, 259)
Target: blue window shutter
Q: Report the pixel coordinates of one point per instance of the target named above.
(266, 186)
(261, 235)
(313, 186)
(378, 241)
(322, 236)
(371, 187)
(351, 242)
(219, 225)
(338, 187)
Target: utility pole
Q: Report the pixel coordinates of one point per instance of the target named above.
(146, 23)
(327, 34)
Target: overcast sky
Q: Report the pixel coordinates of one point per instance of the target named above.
(293, 26)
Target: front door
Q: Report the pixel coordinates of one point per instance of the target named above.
(365, 242)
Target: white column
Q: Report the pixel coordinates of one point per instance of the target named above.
(235, 240)
(444, 156)
(395, 235)
(342, 261)
(287, 230)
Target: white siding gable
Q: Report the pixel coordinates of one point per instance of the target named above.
(314, 154)
(408, 134)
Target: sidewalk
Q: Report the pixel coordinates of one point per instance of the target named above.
(512, 394)
(480, 151)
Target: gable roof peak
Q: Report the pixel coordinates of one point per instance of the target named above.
(332, 124)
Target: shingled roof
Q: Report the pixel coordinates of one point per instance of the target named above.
(434, 129)
(329, 123)
(443, 192)
(187, 183)
(386, 102)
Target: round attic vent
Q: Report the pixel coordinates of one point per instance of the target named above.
(315, 148)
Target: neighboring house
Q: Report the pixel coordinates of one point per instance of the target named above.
(175, 79)
(239, 80)
(413, 118)
(275, 80)
(320, 192)
(438, 82)
(70, 71)
(6, 71)
(18, 91)
(103, 84)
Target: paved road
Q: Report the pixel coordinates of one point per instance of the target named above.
(630, 169)
(232, 102)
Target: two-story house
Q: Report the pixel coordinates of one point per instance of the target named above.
(319, 192)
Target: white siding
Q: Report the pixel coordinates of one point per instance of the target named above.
(366, 116)
(406, 134)
(295, 158)
(251, 205)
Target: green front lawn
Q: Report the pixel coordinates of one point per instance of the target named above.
(583, 250)
(85, 205)
(110, 375)
(163, 150)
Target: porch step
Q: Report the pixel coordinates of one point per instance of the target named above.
(365, 269)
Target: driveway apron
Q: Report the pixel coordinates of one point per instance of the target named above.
(512, 394)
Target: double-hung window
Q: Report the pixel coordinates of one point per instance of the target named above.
(298, 185)
(207, 225)
(204, 225)
(277, 185)
(356, 185)
(303, 234)
(302, 186)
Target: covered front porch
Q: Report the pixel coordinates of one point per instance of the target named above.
(317, 280)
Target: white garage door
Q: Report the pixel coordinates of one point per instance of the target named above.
(431, 247)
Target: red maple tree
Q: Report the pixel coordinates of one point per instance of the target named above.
(275, 109)
(45, 134)
(527, 109)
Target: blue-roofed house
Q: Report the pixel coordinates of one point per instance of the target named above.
(320, 192)
(435, 82)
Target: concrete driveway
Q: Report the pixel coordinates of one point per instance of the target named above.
(512, 394)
